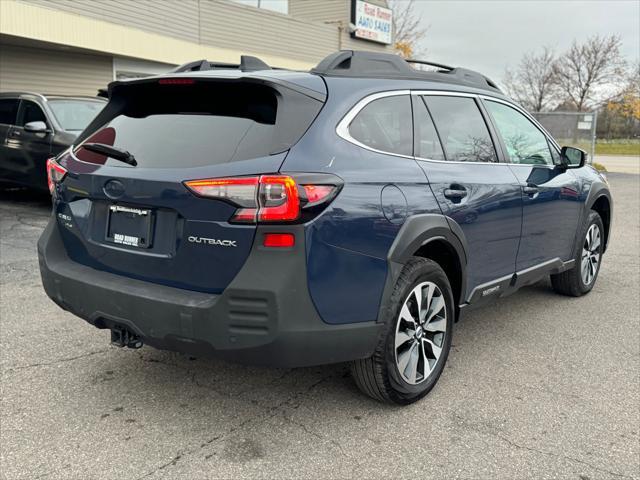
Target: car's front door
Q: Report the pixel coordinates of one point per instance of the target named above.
(550, 193)
(8, 117)
(30, 150)
(473, 189)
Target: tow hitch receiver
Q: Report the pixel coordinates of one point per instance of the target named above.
(122, 337)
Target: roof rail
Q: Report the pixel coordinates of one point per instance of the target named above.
(354, 63)
(247, 64)
(431, 64)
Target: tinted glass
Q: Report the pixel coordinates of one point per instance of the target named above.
(188, 127)
(462, 129)
(427, 143)
(385, 124)
(75, 115)
(555, 155)
(31, 112)
(8, 111)
(524, 142)
(194, 140)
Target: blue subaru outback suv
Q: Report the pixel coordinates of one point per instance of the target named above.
(349, 213)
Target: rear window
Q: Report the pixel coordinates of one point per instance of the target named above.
(168, 126)
(75, 115)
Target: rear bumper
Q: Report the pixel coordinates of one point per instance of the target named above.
(264, 317)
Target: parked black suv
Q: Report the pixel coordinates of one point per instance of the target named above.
(350, 213)
(35, 127)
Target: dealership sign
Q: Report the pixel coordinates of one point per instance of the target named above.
(371, 22)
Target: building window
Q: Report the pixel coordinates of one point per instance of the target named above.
(280, 6)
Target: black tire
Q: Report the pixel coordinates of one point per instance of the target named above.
(378, 376)
(571, 282)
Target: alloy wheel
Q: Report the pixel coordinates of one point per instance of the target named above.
(420, 332)
(590, 254)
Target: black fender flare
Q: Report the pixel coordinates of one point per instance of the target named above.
(417, 231)
(598, 190)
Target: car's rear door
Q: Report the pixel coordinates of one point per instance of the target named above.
(550, 193)
(457, 152)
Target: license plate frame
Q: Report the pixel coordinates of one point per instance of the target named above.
(130, 226)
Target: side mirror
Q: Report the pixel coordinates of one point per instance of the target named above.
(36, 127)
(573, 157)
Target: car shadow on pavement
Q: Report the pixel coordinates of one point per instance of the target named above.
(25, 197)
(152, 371)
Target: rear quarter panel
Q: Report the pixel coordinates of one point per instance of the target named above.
(347, 246)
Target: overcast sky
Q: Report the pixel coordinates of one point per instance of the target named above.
(488, 36)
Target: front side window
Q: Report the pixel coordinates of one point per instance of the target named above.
(75, 115)
(462, 129)
(31, 112)
(385, 124)
(8, 110)
(525, 143)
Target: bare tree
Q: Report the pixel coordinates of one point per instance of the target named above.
(408, 27)
(586, 68)
(534, 83)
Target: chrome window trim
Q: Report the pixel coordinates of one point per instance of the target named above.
(343, 126)
(445, 93)
(342, 129)
(528, 116)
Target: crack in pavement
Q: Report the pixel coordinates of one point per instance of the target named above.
(333, 442)
(54, 362)
(257, 419)
(555, 455)
(487, 431)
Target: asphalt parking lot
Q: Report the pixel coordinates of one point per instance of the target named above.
(536, 386)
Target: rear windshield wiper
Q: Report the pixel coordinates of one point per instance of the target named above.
(113, 152)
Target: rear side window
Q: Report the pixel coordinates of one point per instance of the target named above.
(462, 129)
(8, 111)
(191, 125)
(427, 143)
(385, 124)
(31, 112)
(524, 141)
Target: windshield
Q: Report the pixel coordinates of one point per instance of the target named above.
(75, 115)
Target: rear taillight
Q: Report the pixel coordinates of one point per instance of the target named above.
(55, 174)
(317, 194)
(278, 199)
(263, 199)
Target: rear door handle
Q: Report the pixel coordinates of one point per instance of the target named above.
(530, 189)
(455, 193)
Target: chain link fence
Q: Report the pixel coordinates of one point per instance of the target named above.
(575, 129)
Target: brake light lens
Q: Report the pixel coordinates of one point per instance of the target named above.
(263, 199)
(318, 193)
(55, 174)
(176, 81)
(278, 199)
(240, 191)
